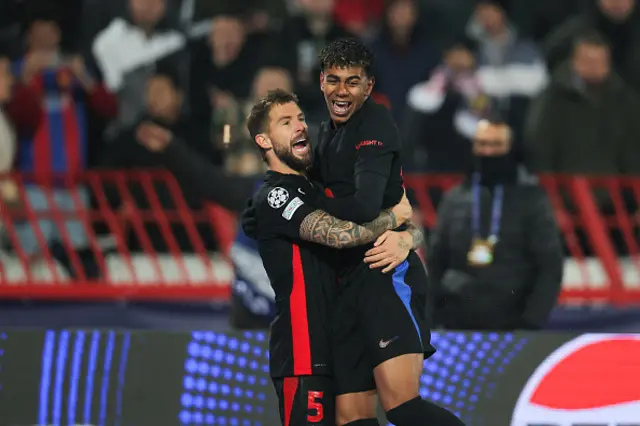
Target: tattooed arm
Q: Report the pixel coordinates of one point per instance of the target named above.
(393, 248)
(417, 237)
(322, 228)
(411, 238)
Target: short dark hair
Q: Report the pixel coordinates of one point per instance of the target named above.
(259, 115)
(590, 38)
(346, 52)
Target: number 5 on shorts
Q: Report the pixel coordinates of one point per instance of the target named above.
(314, 404)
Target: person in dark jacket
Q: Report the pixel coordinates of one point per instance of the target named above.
(618, 21)
(297, 46)
(586, 121)
(163, 100)
(404, 53)
(495, 258)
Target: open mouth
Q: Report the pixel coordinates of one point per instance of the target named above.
(301, 146)
(341, 107)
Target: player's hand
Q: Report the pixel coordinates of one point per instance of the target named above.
(403, 211)
(389, 251)
(249, 220)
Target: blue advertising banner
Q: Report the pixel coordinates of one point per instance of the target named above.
(109, 377)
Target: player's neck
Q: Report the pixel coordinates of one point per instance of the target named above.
(285, 170)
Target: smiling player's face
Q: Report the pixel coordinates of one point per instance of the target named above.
(345, 90)
(289, 136)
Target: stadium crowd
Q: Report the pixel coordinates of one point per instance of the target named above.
(78, 77)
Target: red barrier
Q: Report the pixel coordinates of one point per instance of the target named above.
(145, 207)
(594, 272)
(149, 208)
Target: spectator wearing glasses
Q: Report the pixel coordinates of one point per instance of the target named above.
(495, 255)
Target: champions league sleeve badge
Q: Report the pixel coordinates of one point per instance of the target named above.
(277, 197)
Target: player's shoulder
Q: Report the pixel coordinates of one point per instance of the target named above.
(377, 117)
(273, 194)
(372, 111)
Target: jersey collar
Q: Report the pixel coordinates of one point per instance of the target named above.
(273, 176)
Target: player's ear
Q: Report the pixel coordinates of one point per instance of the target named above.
(371, 81)
(263, 141)
(321, 80)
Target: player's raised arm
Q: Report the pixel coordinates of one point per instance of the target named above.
(417, 236)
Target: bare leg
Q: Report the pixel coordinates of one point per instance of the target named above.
(398, 380)
(355, 406)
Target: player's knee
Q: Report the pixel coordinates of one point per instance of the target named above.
(398, 380)
(419, 410)
(353, 407)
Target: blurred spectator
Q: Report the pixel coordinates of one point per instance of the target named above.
(617, 21)
(358, 16)
(163, 100)
(499, 80)
(538, 18)
(236, 58)
(49, 107)
(297, 49)
(261, 14)
(511, 69)
(495, 255)
(209, 182)
(222, 70)
(163, 106)
(587, 120)
(8, 189)
(404, 54)
(131, 49)
(450, 17)
(235, 112)
(443, 114)
(266, 14)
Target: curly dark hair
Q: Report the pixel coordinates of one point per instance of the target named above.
(346, 52)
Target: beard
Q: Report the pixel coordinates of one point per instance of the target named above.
(285, 155)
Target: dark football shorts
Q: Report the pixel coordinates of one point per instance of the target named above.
(379, 317)
(306, 400)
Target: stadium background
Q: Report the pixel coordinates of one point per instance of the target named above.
(74, 364)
